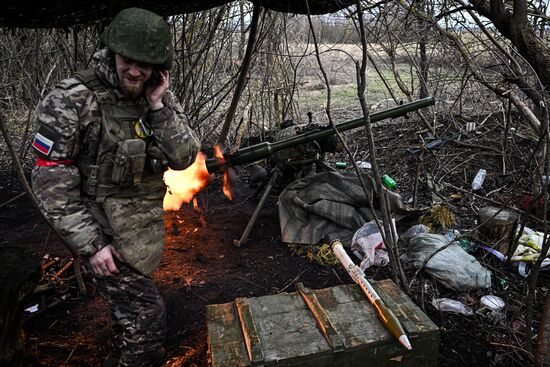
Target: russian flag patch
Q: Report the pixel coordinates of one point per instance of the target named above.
(42, 144)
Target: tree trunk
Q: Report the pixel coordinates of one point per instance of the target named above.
(517, 29)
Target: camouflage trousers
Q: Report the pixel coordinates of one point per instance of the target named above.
(138, 317)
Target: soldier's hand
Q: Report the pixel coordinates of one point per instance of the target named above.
(102, 262)
(155, 93)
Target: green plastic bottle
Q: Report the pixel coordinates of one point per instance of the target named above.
(341, 165)
(388, 182)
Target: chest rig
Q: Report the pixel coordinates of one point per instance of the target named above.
(114, 159)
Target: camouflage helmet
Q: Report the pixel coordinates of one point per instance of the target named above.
(140, 35)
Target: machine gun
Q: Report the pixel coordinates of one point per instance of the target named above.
(263, 150)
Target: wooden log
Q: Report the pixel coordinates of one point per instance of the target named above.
(497, 228)
(19, 275)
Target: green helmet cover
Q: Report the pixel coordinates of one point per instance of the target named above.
(140, 35)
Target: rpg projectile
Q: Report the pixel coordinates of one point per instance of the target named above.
(388, 318)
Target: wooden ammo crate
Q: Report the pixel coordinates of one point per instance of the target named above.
(333, 327)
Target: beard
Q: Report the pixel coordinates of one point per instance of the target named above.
(132, 90)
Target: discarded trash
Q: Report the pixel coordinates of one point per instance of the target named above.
(518, 325)
(413, 231)
(478, 180)
(388, 182)
(367, 241)
(470, 126)
(453, 267)
(528, 231)
(436, 190)
(450, 305)
(523, 266)
(340, 165)
(491, 309)
(494, 303)
(433, 144)
(529, 247)
(533, 240)
(502, 283)
(451, 234)
(467, 245)
(499, 255)
(32, 309)
(363, 165)
(522, 269)
(456, 196)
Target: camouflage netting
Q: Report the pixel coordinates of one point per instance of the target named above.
(66, 13)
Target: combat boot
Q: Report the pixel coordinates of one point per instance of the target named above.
(154, 358)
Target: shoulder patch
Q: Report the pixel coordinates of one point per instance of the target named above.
(42, 144)
(44, 141)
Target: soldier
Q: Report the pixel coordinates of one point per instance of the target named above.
(104, 138)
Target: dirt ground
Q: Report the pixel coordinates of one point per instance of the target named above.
(201, 266)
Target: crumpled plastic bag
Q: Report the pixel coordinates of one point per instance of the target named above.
(453, 267)
(451, 305)
(367, 242)
(534, 240)
(529, 247)
(413, 231)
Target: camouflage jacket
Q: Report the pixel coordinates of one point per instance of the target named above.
(63, 118)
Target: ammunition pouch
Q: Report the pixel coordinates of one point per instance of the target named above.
(129, 162)
(156, 159)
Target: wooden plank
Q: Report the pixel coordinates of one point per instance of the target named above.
(287, 329)
(250, 334)
(321, 318)
(414, 320)
(352, 315)
(364, 335)
(225, 340)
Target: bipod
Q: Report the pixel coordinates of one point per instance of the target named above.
(274, 177)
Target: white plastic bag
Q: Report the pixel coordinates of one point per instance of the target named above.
(368, 243)
(452, 266)
(450, 305)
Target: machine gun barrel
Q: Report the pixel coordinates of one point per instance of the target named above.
(262, 150)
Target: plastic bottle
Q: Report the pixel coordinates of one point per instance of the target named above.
(478, 180)
(340, 165)
(388, 182)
